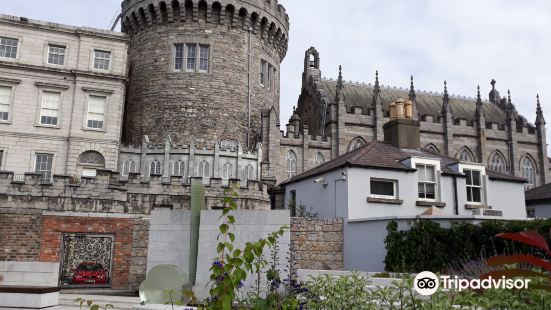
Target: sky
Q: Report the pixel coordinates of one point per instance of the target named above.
(467, 42)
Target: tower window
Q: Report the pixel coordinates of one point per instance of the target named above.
(196, 56)
(267, 73)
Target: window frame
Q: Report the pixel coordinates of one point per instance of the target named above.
(472, 186)
(128, 163)
(2, 157)
(35, 160)
(93, 59)
(204, 167)
(182, 168)
(158, 168)
(50, 45)
(40, 108)
(491, 163)
(394, 188)
(227, 170)
(87, 112)
(185, 55)
(533, 183)
(425, 182)
(12, 87)
(289, 172)
(17, 48)
(249, 173)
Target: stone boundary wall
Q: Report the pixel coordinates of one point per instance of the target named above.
(317, 244)
(107, 194)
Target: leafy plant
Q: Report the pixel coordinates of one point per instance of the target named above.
(229, 270)
(90, 304)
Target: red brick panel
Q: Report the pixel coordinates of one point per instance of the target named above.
(55, 226)
(20, 237)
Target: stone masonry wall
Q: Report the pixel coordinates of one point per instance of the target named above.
(20, 235)
(317, 244)
(138, 258)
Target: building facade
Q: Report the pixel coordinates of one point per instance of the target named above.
(334, 117)
(62, 93)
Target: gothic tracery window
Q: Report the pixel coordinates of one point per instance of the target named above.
(179, 168)
(356, 144)
(249, 173)
(528, 171)
(227, 171)
(466, 156)
(432, 148)
(319, 159)
(291, 164)
(155, 168)
(498, 163)
(203, 170)
(129, 166)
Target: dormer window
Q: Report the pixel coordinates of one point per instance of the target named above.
(427, 182)
(474, 185)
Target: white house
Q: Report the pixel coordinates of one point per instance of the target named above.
(396, 180)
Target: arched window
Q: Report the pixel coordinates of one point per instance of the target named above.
(528, 171)
(129, 166)
(203, 170)
(465, 155)
(179, 168)
(91, 158)
(498, 163)
(356, 144)
(319, 159)
(227, 171)
(249, 173)
(432, 148)
(291, 164)
(155, 168)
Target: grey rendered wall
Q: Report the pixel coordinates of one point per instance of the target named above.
(542, 210)
(169, 240)
(320, 199)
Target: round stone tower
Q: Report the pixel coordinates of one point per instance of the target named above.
(202, 70)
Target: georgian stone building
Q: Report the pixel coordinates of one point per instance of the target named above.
(62, 92)
(334, 117)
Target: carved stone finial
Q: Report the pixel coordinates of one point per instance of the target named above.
(493, 82)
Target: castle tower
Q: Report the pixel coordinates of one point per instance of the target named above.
(202, 69)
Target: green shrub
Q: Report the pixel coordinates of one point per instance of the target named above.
(427, 246)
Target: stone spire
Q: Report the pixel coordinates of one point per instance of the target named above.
(446, 100)
(340, 88)
(413, 99)
(378, 106)
(479, 104)
(377, 85)
(540, 120)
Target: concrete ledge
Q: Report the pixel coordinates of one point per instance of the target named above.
(385, 201)
(29, 300)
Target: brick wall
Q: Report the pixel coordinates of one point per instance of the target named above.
(122, 228)
(20, 235)
(317, 244)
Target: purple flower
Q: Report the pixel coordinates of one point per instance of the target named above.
(218, 263)
(241, 284)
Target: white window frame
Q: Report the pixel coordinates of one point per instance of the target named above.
(530, 184)
(185, 54)
(291, 171)
(183, 59)
(11, 98)
(425, 182)
(3, 152)
(227, 170)
(87, 115)
(200, 58)
(482, 169)
(394, 188)
(17, 48)
(49, 52)
(93, 59)
(34, 160)
(40, 107)
(249, 173)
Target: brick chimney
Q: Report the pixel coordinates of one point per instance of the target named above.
(402, 131)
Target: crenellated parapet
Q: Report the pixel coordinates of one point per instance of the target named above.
(107, 193)
(267, 19)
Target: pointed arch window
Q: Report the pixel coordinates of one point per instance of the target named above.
(432, 148)
(155, 168)
(498, 163)
(528, 171)
(203, 170)
(319, 159)
(129, 166)
(249, 173)
(291, 164)
(356, 144)
(466, 156)
(179, 168)
(227, 171)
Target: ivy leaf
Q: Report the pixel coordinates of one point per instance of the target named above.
(232, 237)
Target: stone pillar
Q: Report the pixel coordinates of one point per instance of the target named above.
(166, 163)
(305, 138)
(216, 161)
(191, 164)
(143, 158)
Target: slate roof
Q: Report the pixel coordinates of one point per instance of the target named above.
(360, 95)
(539, 194)
(383, 155)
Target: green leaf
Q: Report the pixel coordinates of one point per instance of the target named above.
(232, 237)
(94, 307)
(220, 247)
(229, 246)
(226, 302)
(89, 303)
(224, 228)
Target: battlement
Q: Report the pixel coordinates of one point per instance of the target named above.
(106, 193)
(267, 19)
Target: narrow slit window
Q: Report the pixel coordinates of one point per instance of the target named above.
(204, 58)
(179, 56)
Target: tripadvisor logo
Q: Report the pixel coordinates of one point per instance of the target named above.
(427, 283)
